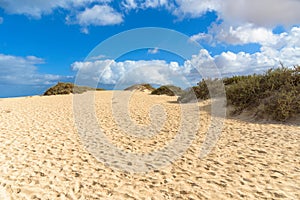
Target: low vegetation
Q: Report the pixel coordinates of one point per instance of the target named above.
(169, 90)
(67, 88)
(202, 91)
(141, 87)
(273, 95)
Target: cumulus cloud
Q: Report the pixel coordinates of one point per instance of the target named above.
(244, 34)
(96, 12)
(250, 34)
(268, 13)
(284, 47)
(130, 72)
(37, 8)
(99, 15)
(265, 13)
(195, 8)
(285, 50)
(16, 70)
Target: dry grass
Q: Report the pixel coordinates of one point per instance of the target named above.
(274, 95)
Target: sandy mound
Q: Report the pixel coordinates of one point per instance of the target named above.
(141, 87)
(169, 90)
(67, 88)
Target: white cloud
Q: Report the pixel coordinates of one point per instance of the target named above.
(99, 15)
(153, 51)
(244, 34)
(37, 8)
(283, 48)
(195, 8)
(85, 30)
(208, 38)
(155, 3)
(130, 72)
(144, 4)
(268, 13)
(286, 49)
(34, 8)
(16, 70)
(129, 4)
(1, 20)
(263, 13)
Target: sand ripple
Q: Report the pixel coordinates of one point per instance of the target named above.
(42, 156)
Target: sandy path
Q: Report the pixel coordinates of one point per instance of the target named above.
(42, 156)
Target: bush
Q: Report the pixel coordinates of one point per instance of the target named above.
(140, 87)
(274, 95)
(67, 88)
(244, 93)
(169, 90)
(280, 106)
(206, 89)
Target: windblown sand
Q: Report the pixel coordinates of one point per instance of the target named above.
(42, 156)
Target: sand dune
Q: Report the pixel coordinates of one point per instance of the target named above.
(43, 156)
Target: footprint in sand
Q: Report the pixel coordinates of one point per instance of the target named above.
(3, 194)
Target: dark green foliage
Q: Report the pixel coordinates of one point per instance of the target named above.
(281, 105)
(206, 88)
(234, 79)
(244, 93)
(67, 88)
(190, 95)
(169, 90)
(274, 94)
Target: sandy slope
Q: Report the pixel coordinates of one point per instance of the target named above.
(42, 156)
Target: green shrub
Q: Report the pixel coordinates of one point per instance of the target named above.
(274, 95)
(141, 87)
(206, 89)
(169, 90)
(280, 106)
(67, 88)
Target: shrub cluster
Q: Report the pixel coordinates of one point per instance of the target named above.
(140, 87)
(206, 88)
(67, 88)
(169, 90)
(274, 94)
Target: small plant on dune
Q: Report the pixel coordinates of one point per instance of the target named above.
(280, 106)
(206, 89)
(68, 88)
(141, 87)
(274, 94)
(244, 93)
(169, 90)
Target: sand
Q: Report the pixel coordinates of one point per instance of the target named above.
(43, 156)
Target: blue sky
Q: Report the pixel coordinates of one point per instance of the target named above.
(43, 42)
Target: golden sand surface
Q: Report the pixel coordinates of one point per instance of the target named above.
(43, 157)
